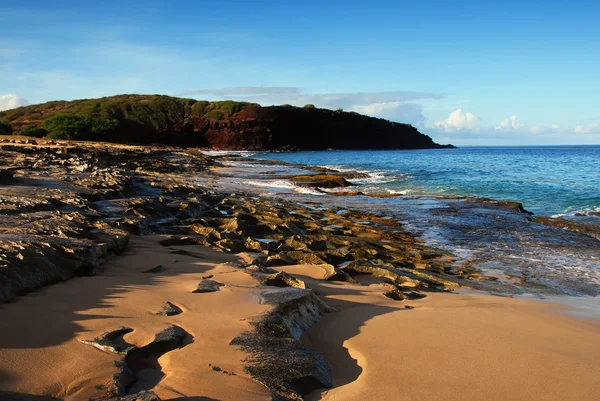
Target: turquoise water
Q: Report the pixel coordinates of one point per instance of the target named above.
(549, 180)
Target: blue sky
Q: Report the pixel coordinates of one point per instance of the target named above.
(466, 72)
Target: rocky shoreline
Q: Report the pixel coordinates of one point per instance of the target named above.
(66, 208)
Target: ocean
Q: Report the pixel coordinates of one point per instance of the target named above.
(548, 180)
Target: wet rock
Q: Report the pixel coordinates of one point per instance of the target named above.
(508, 204)
(208, 285)
(168, 309)
(320, 181)
(579, 224)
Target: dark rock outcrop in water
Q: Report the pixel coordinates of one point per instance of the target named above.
(146, 119)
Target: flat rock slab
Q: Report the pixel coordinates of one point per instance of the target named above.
(208, 285)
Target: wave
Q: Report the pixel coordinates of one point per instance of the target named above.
(374, 176)
(586, 211)
(242, 153)
(269, 183)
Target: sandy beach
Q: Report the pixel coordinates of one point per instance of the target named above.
(457, 347)
(142, 285)
(40, 336)
(450, 346)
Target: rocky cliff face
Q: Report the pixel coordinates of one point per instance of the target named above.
(280, 127)
(143, 119)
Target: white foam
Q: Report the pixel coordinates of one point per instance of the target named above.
(242, 153)
(584, 211)
(269, 183)
(402, 192)
(309, 191)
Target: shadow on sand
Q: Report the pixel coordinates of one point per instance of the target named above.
(24, 324)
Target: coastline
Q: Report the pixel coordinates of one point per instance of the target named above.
(447, 345)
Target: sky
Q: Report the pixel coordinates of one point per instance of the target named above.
(464, 72)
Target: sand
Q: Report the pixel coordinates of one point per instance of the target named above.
(461, 346)
(464, 346)
(40, 333)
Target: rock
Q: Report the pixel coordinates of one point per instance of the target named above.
(6, 177)
(282, 279)
(340, 275)
(298, 308)
(394, 293)
(112, 341)
(320, 181)
(121, 380)
(303, 258)
(11, 396)
(141, 396)
(137, 359)
(281, 259)
(279, 360)
(168, 309)
(156, 269)
(207, 285)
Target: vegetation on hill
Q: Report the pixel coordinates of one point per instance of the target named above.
(146, 119)
(32, 130)
(5, 128)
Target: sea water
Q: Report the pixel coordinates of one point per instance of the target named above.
(548, 180)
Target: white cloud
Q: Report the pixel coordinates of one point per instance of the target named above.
(509, 124)
(459, 121)
(292, 95)
(593, 128)
(411, 113)
(394, 105)
(10, 101)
